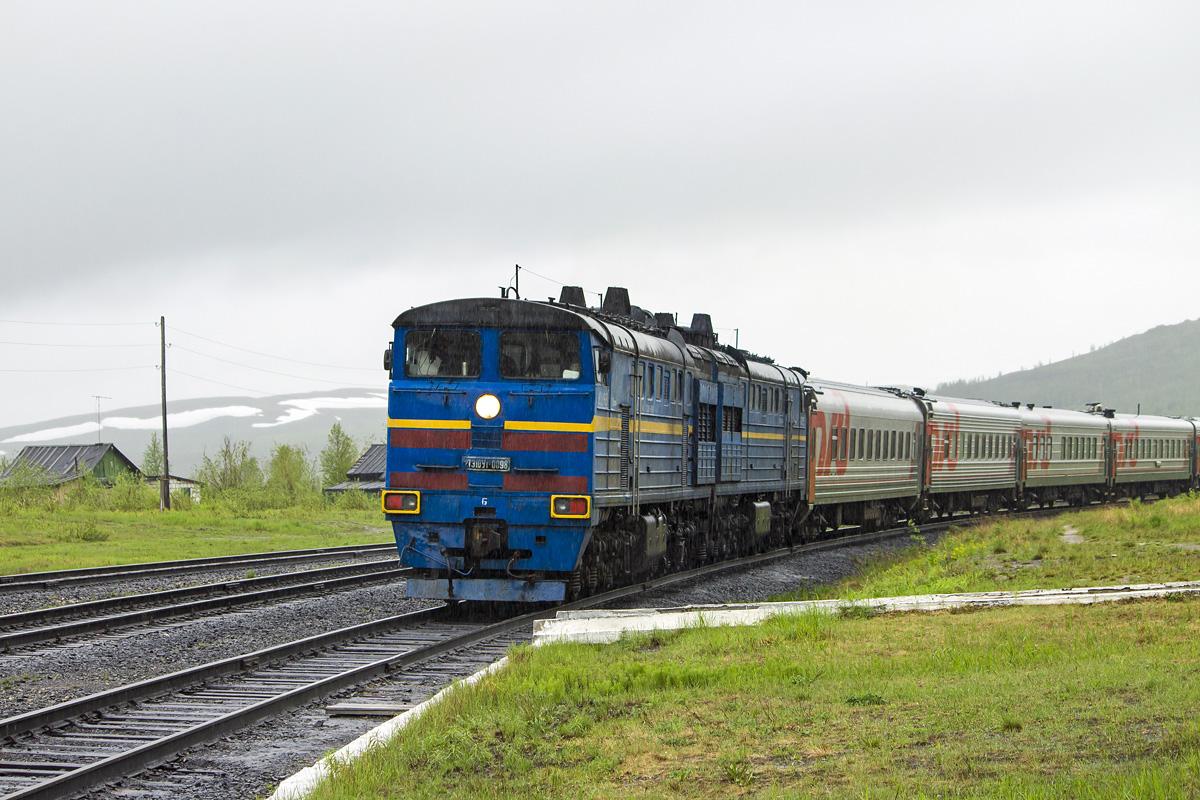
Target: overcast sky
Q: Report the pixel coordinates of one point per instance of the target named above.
(883, 192)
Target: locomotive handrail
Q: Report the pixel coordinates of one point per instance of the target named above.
(428, 391)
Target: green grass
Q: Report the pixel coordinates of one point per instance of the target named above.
(32, 540)
(1089, 702)
(1036, 702)
(1133, 543)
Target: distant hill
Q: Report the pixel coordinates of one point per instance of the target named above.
(198, 426)
(1160, 369)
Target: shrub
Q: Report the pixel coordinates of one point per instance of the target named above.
(86, 531)
(291, 474)
(355, 500)
(338, 457)
(85, 493)
(181, 500)
(128, 493)
(232, 468)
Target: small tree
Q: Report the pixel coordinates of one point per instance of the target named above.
(233, 468)
(152, 459)
(290, 471)
(25, 475)
(338, 457)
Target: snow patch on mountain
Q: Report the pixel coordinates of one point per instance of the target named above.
(180, 419)
(303, 408)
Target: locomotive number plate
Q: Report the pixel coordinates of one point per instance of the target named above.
(488, 463)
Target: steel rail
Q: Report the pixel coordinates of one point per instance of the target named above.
(150, 687)
(56, 578)
(52, 613)
(329, 579)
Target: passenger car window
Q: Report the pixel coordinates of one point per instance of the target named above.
(539, 355)
(442, 353)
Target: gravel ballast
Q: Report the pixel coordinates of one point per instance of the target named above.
(37, 678)
(29, 600)
(762, 582)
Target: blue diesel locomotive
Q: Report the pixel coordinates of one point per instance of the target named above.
(541, 451)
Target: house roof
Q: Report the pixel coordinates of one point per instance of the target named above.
(60, 461)
(357, 486)
(176, 478)
(370, 465)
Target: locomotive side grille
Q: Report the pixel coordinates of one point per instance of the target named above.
(706, 421)
(482, 437)
(625, 459)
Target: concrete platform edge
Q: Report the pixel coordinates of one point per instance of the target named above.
(301, 784)
(601, 626)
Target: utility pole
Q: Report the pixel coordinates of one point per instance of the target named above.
(98, 398)
(164, 482)
(518, 282)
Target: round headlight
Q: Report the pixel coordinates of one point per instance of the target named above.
(487, 406)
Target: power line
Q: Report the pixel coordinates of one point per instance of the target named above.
(256, 369)
(75, 324)
(175, 371)
(558, 282)
(543, 277)
(177, 329)
(89, 346)
(90, 369)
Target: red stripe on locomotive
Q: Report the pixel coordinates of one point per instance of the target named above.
(534, 482)
(545, 442)
(427, 480)
(449, 440)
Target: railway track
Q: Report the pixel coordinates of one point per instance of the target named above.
(73, 577)
(64, 749)
(59, 623)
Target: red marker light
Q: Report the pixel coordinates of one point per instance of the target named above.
(570, 506)
(402, 502)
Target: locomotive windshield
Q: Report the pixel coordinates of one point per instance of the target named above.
(542, 355)
(441, 354)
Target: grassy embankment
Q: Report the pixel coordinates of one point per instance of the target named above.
(41, 530)
(31, 542)
(1036, 702)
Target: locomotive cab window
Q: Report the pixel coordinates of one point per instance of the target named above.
(599, 367)
(539, 355)
(441, 353)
